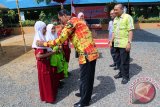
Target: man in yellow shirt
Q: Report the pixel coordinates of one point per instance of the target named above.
(81, 37)
(122, 36)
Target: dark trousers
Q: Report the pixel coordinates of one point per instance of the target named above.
(113, 53)
(115, 57)
(76, 54)
(86, 81)
(124, 57)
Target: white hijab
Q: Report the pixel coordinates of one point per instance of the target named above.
(80, 14)
(49, 36)
(39, 25)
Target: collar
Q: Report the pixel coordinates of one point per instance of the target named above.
(122, 16)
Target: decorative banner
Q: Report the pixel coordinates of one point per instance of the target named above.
(93, 12)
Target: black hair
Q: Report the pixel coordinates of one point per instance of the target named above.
(64, 12)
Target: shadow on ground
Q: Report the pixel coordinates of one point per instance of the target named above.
(105, 87)
(2, 38)
(134, 69)
(141, 35)
(71, 84)
(12, 52)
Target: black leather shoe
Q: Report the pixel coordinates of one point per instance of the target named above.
(118, 76)
(60, 86)
(80, 105)
(69, 74)
(112, 65)
(115, 68)
(76, 104)
(50, 102)
(124, 81)
(78, 94)
(61, 83)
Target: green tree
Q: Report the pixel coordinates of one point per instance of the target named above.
(42, 16)
(11, 15)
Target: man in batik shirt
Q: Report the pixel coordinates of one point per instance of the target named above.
(81, 37)
(122, 36)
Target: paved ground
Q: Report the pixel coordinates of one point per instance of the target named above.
(18, 75)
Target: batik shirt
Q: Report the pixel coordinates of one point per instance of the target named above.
(121, 27)
(81, 37)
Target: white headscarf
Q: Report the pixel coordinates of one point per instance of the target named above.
(80, 14)
(39, 25)
(49, 35)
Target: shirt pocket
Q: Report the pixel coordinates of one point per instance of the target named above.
(122, 26)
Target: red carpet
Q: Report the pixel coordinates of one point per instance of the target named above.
(100, 43)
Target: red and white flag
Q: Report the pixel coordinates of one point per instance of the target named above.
(73, 9)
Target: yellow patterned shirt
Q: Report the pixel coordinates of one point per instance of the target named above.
(81, 37)
(121, 27)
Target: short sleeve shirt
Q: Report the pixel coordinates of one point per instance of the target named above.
(121, 27)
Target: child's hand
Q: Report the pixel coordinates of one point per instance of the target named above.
(60, 46)
(53, 51)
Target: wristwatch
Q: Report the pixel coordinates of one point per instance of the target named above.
(130, 42)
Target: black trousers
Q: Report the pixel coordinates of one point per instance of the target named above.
(113, 53)
(124, 58)
(86, 81)
(76, 54)
(116, 58)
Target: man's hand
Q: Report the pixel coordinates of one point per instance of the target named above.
(128, 48)
(110, 44)
(39, 43)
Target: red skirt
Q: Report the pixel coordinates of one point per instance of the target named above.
(47, 81)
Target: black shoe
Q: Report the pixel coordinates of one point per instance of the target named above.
(61, 83)
(78, 94)
(80, 105)
(118, 76)
(69, 74)
(76, 104)
(112, 65)
(124, 81)
(115, 68)
(50, 102)
(60, 86)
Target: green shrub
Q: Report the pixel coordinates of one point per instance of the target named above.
(141, 19)
(149, 20)
(42, 16)
(28, 23)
